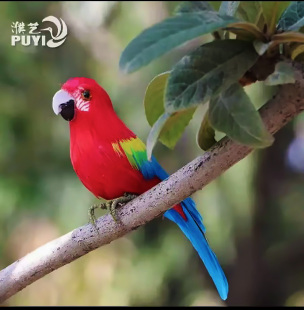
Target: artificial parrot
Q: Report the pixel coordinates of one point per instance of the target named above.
(111, 162)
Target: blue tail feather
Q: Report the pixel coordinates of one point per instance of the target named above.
(194, 230)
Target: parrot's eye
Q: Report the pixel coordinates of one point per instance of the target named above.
(86, 95)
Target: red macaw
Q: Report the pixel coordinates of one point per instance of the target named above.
(110, 160)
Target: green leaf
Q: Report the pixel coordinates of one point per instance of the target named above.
(215, 4)
(192, 7)
(172, 32)
(248, 27)
(206, 72)
(293, 17)
(272, 10)
(281, 7)
(229, 7)
(286, 37)
(168, 129)
(154, 98)
(175, 126)
(242, 34)
(251, 12)
(283, 74)
(155, 132)
(297, 50)
(233, 113)
(206, 134)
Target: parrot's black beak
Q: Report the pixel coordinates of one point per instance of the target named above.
(67, 110)
(64, 104)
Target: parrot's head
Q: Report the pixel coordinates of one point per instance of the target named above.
(78, 97)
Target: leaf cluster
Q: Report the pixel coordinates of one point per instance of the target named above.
(252, 41)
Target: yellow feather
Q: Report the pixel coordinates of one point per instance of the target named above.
(131, 147)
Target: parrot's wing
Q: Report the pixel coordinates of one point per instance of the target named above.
(135, 150)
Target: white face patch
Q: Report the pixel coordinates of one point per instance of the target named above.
(81, 104)
(59, 98)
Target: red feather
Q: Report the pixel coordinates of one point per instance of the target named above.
(98, 166)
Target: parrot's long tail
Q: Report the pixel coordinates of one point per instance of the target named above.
(190, 222)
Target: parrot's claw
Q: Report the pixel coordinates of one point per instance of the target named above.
(110, 205)
(92, 217)
(113, 204)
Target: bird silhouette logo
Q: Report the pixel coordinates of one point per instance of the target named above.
(62, 31)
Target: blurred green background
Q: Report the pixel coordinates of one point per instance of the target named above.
(253, 213)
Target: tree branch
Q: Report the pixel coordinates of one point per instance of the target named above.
(286, 104)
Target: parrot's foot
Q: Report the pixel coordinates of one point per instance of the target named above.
(92, 216)
(110, 205)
